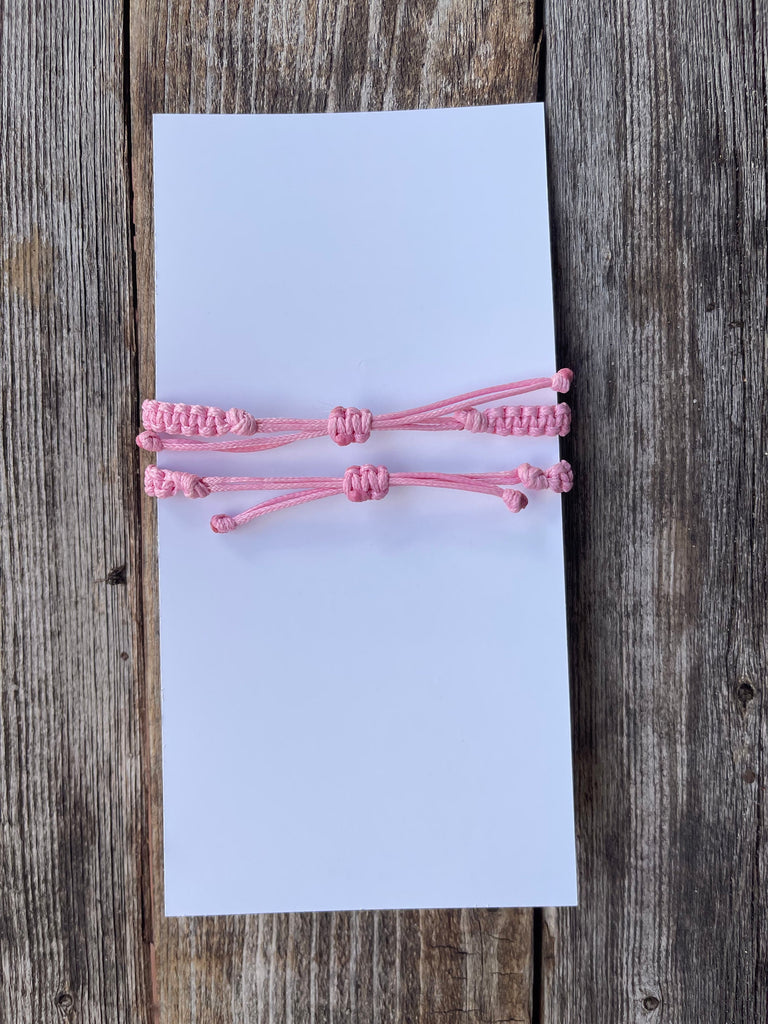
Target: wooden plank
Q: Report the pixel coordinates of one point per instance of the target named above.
(189, 56)
(657, 146)
(73, 815)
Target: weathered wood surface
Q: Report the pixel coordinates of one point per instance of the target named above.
(657, 135)
(73, 809)
(371, 968)
(657, 143)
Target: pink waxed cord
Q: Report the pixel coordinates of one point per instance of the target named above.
(359, 483)
(353, 426)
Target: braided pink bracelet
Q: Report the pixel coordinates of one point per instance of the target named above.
(348, 426)
(359, 483)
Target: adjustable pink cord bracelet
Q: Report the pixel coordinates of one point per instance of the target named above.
(347, 426)
(359, 483)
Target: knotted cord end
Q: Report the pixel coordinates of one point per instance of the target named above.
(562, 381)
(149, 441)
(560, 477)
(223, 524)
(515, 501)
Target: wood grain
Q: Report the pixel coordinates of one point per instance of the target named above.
(657, 152)
(72, 804)
(192, 56)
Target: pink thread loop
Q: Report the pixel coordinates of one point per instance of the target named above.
(223, 524)
(165, 483)
(515, 501)
(562, 381)
(149, 441)
(366, 483)
(346, 426)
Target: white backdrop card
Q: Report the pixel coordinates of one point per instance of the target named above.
(364, 706)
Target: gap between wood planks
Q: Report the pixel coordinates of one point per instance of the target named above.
(145, 867)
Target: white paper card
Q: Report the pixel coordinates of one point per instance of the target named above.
(364, 706)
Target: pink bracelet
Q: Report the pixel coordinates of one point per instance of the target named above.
(359, 483)
(348, 426)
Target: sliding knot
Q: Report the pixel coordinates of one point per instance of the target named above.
(532, 477)
(514, 500)
(366, 483)
(562, 381)
(474, 420)
(223, 524)
(348, 425)
(241, 422)
(560, 477)
(149, 442)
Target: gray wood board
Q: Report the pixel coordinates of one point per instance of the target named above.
(73, 807)
(452, 966)
(657, 160)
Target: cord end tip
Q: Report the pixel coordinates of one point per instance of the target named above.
(149, 442)
(562, 381)
(560, 477)
(223, 524)
(514, 500)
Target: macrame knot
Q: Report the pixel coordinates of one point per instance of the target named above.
(503, 420)
(170, 417)
(562, 381)
(514, 500)
(241, 422)
(191, 420)
(149, 442)
(191, 485)
(223, 524)
(157, 483)
(532, 420)
(560, 477)
(474, 420)
(348, 425)
(366, 483)
(153, 414)
(563, 418)
(164, 483)
(532, 477)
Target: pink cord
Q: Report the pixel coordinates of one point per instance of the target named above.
(353, 426)
(359, 483)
